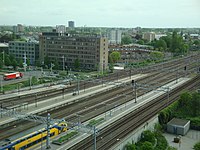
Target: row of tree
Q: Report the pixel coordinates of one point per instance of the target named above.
(186, 107)
(10, 60)
(172, 43)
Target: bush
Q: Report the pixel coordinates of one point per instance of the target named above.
(146, 146)
(148, 136)
(65, 138)
(95, 122)
(130, 146)
(197, 146)
(161, 142)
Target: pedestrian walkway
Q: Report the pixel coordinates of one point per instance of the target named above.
(187, 142)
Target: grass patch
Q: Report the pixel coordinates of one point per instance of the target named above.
(95, 122)
(65, 138)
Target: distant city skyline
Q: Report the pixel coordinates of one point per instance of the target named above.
(102, 13)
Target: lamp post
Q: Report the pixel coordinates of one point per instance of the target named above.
(63, 57)
(3, 58)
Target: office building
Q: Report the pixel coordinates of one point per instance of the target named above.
(149, 36)
(18, 28)
(115, 37)
(91, 51)
(71, 24)
(60, 28)
(20, 48)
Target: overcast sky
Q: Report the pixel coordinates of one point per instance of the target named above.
(102, 13)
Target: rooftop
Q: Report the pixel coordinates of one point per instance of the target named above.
(178, 122)
(3, 44)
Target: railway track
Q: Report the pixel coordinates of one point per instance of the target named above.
(99, 105)
(122, 127)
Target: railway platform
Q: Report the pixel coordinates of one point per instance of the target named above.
(62, 99)
(120, 111)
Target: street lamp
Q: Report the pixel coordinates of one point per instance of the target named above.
(63, 57)
(3, 57)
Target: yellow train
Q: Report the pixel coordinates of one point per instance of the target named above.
(29, 140)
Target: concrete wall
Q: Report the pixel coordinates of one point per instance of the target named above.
(179, 130)
(135, 135)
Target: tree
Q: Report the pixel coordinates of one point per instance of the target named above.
(146, 146)
(138, 36)
(161, 45)
(156, 55)
(77, 63)
(110, 61)
(197, 146)
(1, 64)
(141, 42)
(195, 104)
(14, 63)
(168, 40)
(126, 40)
(115, 56)
(184, 99)
(148, 136)
(196, 42)
(130, 146)
(28, 62)
(56, 67)
(7, 61)
(46, 61)
(20, 63)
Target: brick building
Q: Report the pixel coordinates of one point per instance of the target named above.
(90, 50)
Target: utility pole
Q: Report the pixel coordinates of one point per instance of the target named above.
(1, 86)
(63, 57)
(48, 132)
(25, 62)
(95, 137)
(3, 58)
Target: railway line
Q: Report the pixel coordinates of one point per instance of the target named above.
(174, 66)
(96, 104)
(130, 122)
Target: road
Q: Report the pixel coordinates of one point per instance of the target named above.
(26, 76)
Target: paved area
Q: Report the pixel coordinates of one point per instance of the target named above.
(187, 141)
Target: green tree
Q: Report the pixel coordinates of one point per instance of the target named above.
(161, 45)
(20, 63)
(148, 136)
(184, 99)
(14, 63)
(156, 55)
(130, 146)
(47, 61)
(28, 62)
(1, 64)
(126, 40)
(168, 40)
(141, 42)
(115, 56)
(195, 104)
(146, 146)
(197, 146)
(7, 61)
(77, 63)
(196, 42)
(56, 67)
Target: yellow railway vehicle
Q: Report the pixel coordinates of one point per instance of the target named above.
(34, 138)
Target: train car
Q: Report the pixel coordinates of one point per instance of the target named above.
(15, 75)
(29, 140)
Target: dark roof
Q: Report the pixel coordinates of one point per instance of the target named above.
(178, 122)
